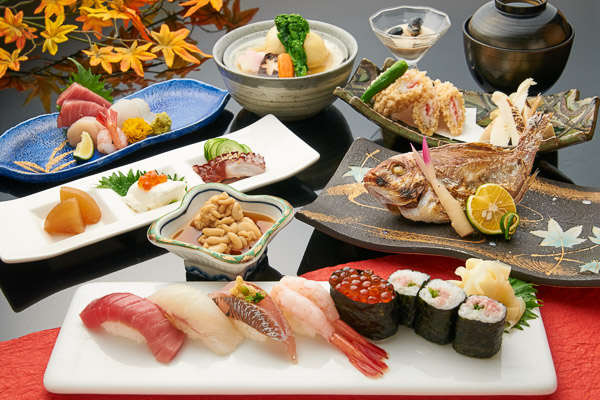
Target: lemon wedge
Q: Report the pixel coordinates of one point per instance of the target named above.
(487, 206)
(85, 148)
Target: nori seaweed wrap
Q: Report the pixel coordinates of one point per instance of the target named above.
(479, 327)
(407, 284)
(365, 301)
(437, 308)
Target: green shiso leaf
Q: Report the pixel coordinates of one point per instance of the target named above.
(529, 294)
(120, 182)
(86, 78)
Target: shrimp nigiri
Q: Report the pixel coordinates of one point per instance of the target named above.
(131, 316)
(310, 310)
(112, 137)
(255, 313)
(193, 312)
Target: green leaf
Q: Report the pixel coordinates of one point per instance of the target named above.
(119, 182)
(529, 294)
(86, 78)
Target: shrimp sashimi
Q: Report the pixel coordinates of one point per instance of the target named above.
(112, 138)
(255, 309)
(310, 310)
(131, 316)
(193, 312)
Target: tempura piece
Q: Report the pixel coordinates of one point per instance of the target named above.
(426, 110)
(452, 105)
(400, 94)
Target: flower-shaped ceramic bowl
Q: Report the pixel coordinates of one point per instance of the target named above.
(210, 264)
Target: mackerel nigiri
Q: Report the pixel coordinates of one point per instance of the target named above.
(131, 316)
(255, 313)
(193, 312)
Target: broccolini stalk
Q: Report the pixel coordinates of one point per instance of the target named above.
(292, 30)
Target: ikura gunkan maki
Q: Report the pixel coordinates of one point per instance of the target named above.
(365, 301)
(479, 327)
(437, 307)
(407, 284)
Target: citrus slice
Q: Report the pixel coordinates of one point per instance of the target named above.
(487, 206)
(85, 148)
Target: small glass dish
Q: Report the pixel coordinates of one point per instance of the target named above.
(385, 24)
(209, 264)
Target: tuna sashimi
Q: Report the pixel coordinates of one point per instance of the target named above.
(72, 110)
(138, 314)
(79, 92)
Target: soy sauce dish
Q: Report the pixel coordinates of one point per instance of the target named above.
(171, 232)
(288, 98)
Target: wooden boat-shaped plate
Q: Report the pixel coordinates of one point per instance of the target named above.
(574, 119)
(557, 242)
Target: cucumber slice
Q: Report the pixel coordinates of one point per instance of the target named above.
(246, 148)
(228, 146)
(209, 145)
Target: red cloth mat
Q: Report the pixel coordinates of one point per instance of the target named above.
(571, 317)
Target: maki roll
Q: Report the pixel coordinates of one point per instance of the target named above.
(437, 307)
(479, 327)
(365, 301)
(407, 284)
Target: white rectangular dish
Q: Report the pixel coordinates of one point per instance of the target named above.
(95, 362)
(23, 238)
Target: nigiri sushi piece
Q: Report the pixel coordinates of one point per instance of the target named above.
(133, 317)
(255, 314)
(194, 313)
(310, 310)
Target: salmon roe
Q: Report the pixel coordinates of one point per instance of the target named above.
(151, 179)
(363, 286)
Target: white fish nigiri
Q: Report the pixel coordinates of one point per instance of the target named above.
(191, 311)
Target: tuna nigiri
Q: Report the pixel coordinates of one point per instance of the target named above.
(131, 316)
(255, 313)
(196, 314)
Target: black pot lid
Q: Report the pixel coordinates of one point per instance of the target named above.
(519, 24)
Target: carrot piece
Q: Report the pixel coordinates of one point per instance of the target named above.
(285, 66)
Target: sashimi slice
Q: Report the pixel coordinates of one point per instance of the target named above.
(72, 110)
(79, 92)
(264, 315)
(139, 314)
(193, 312)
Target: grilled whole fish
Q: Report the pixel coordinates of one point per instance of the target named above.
(399, 184)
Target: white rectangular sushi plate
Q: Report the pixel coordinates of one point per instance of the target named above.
(95, 362)
(285, 155)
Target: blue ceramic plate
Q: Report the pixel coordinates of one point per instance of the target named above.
(37, 151)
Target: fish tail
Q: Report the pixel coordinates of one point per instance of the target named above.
(528, 181)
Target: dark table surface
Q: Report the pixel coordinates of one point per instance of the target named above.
(37, 294)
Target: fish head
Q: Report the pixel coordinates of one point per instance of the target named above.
(396, 182)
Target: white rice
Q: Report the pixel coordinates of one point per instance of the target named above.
(120, 329)
(447, 294)
(407, 282)
(491, 311)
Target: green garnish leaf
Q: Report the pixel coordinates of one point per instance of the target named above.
(256, 297)
(119, 182)
(86, 78)
(528, 292)
(292, 30)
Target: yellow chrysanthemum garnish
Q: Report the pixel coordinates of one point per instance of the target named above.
(136, 129)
